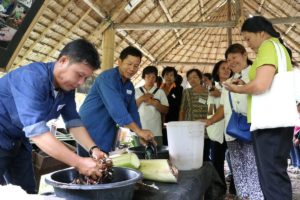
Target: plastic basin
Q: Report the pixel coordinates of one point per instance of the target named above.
(162, 152)
(121, 187)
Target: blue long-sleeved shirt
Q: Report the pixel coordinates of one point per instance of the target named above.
(110, 102)
(28, 100)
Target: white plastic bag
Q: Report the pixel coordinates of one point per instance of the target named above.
(276, 107)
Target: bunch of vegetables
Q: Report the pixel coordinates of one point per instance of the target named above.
(154, 169)
(106, 174)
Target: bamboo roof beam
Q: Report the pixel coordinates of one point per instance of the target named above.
(70, 32)
(286, 20)
(182, 17)
(168, 63)
(195, 25)
(132, 41)
(106, 23)
(174, 25)
(201, 9)
(229, 30)
(121, 33)
(260, 6)
(289, 28)
(96, 8)
(168, 15)
(209, 11)
(197, 36)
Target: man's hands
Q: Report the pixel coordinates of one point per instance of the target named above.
(146, 97)
(97, 154)
(145, 136)
(89, 167)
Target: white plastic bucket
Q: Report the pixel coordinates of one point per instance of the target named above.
(185, 143)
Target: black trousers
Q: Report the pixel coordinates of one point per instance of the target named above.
(217, 154)
(16, 168)
(271, 149)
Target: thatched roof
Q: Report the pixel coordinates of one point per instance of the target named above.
(185, 33)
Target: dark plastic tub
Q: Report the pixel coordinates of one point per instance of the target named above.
(162, 152)
(121, 187)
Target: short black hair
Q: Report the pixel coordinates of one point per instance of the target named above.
(149, 70)
(197, 71)
(178, 79)
(257, 24)
(169, 69)
(81, 50)
(208, 75)
(215, 71)
(130, 50)
(237, 48)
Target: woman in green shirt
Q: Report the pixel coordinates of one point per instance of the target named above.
(271, 146)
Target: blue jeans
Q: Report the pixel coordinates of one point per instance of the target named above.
(16, 168)
(296, 149)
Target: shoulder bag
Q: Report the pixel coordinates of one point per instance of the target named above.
(277, 107)
(238, 126)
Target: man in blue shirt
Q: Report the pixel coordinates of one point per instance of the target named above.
(111, 102)
(34, 94)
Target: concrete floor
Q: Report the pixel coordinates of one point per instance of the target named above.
(295, 178)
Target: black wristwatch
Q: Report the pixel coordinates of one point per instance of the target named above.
(92, 148)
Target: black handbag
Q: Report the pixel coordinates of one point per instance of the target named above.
(238, 126)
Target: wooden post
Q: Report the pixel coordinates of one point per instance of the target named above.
(108, 48)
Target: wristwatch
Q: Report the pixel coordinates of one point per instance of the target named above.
(92, 148)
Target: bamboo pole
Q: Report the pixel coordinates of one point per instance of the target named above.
(108, 48)
(195, 25)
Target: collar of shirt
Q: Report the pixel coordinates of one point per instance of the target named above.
(120, 76)
(242, 74)
(151, 89)
(164, 87)
(51, 77)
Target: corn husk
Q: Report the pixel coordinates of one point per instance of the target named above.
(155, 169)
(129, 160)
(158, 170)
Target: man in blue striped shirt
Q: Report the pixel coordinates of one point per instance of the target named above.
(111, 102)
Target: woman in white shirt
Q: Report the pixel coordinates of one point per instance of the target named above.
(241, 153)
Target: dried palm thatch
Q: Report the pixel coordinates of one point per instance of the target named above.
(185, 34)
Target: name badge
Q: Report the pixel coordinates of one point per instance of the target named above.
(202, 101)
(129, 92)
(59, 107)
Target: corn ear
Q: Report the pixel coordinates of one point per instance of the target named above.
(158, 170)
(129, 160)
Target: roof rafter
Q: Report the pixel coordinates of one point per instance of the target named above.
(187, 31)
(121, 33)
(70, 32)
(167, 13)
(260, 6)
(195, 25)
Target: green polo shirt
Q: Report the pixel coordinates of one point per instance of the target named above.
(266, 56)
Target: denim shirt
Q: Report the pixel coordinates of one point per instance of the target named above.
(110, 102)
(28, 101)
